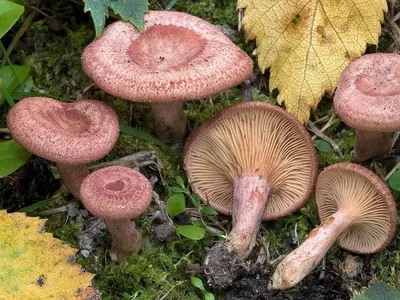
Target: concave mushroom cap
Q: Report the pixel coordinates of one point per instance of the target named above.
(178, 57)
(68, 133)
(116, 193)
(368, 94)
(360, 193)
(252, 138)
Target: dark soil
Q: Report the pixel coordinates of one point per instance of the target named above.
(223, 266)
(254, 287)
(29, 184)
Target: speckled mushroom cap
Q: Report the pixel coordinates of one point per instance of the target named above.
(252, 138)
(368, 94)
(361, 194)
(116, 193)
(178, 57)
(69, 133)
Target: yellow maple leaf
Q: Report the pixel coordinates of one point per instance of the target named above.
(34, 265)
(308, 43)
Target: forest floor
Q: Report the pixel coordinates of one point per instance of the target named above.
(52, 46)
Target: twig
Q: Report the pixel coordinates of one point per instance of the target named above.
(5, 130)
(327, 124)
(52, 211)
(321, 135)
(321, 120)
(395, 137)
(182, 258)
(392, 171)
(169, 291)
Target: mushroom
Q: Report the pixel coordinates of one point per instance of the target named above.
(70, 134)
(118, 194)
(254, 161)
(356, 207)
(368, 99)
(178, 57)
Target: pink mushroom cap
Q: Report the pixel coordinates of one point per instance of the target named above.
(178, 57)
(68, 133)
(116, 193)
(368, 95)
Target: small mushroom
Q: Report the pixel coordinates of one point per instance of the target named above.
(70, 134)
(368, 99)
(178, 57)
(254, 161)
(356, 207)
(118, 194)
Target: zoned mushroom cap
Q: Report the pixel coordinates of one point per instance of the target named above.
(116, 193)
(252, 138)
(368, 94)
(178, 57)
(359, 192)
(68, 133)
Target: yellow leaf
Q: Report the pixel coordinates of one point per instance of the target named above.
(308, 43)
(34, 265)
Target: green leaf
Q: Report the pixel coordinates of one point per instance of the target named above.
(9, 14)
(323, 146)
(196, 282)
(12, 157)
(180, 182)
(378, 291)
(208, 296)
(191, 231)
(99, 11)
(36, 206)
(175, 205)
(176, 189)
(394, 181)
(196, 198)
(9, 79)
(124, 128)
(208, 211)
(132, 11)
(171, 4)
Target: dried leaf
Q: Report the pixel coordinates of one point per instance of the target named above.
(34, 265)
(308, 43)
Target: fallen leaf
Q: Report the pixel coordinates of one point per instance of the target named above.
(34, 265)
(308, 43)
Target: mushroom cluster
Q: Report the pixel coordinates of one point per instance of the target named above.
(69, 134)
(178, 57)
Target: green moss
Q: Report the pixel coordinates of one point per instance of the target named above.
(56, 62)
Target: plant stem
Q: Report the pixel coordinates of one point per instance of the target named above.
(4, 51)
(19, 34)
(6, 94)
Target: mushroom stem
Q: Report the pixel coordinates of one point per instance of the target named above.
(370, 144)
(125, 238)
(249, 199)
(72, 176)
(305, 258)
(170, 121)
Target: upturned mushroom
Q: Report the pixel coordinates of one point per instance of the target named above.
(178, 57)
(69, 134)
(368, 99)
(254, 161)
(354, 206)
(117, 195)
